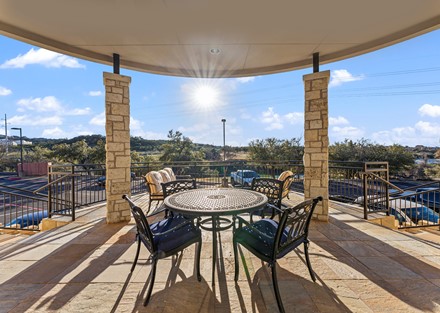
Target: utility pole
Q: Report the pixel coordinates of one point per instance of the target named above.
(21, 149)
(6, 133)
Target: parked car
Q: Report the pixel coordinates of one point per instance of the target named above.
(28, 219)
(243, 177)
(430, 197)
(414, 210)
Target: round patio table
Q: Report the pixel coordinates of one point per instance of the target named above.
(215, 203)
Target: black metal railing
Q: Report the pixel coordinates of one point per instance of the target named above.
(20, 210)
(415, 206)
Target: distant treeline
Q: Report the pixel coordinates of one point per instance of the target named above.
(138, 144)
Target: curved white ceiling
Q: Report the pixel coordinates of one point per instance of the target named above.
(174, 37)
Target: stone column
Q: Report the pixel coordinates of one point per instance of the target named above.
(117, 129)
(316, 140)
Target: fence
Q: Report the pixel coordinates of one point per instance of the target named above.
(416, 206)
(20, 209)
(73, 186)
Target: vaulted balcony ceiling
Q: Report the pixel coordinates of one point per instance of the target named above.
(216, 38)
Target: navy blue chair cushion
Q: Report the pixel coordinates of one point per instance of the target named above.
(259, 237)
(174, 239)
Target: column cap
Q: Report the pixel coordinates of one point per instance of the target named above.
(122, 78)
(318, 75)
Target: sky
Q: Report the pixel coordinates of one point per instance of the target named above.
(389, 96)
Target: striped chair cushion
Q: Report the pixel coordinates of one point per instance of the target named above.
(154, 180)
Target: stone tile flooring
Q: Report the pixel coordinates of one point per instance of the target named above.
(84, 267)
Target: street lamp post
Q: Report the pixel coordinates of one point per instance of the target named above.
(225, 180)
(21, 148)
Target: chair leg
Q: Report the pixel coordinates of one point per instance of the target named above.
(153, 277)
(236, 260)
(149, 205)
(137, 255)
(199, 251)
(309, 265)
(276, 288)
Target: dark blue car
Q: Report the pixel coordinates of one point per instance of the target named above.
(27, 220)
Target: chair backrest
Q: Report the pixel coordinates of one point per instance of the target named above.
(272, 188)
(154, 181)
(170, 172)
(287, 178)
(176, 186)
(165, 176)
(142, 226)
(293, 227)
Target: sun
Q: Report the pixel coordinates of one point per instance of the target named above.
(206, 96)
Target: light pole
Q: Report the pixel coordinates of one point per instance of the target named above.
(225, 180)
(224, 141)
(21, 148)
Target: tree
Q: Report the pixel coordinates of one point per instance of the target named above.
(273, 149)
(79, 152)
(363, 150)
(180, 148)
(38, 154)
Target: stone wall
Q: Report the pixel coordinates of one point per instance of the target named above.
(117, 129)
(316, 140)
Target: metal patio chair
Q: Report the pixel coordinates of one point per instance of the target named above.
(270, 240)
(163, 239)
(154, 180)
(272, 188)
(287, 178)
(175, 186)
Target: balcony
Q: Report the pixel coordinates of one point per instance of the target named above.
(84, 267)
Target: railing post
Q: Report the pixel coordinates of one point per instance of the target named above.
(365, 188)
(49, 192)
(387, 189)
(72, 197)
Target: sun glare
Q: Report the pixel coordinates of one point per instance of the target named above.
(206, 96)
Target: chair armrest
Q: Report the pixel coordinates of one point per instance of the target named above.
(174, 228)
(275, 208)
(181, 177)
(250, 225)
(161, 210)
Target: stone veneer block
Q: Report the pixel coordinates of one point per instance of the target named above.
(117, 128)
(316, 140)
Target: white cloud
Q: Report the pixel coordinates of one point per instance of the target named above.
(245, 80)
(31, 120)
(272, 119)
(428, 129)
(55, 132)
(43, 57)
(5, 91)
(340, 133)
(340, 120)
(429, 110)
(95, 93)
(79, 111)
(45, 104)
(338, 77)
(98, 120)
(136, 129)
(422, 133)
(294, 117)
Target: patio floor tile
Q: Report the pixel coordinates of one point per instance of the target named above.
(85, 267)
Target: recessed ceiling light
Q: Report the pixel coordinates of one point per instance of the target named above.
(215, 51)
